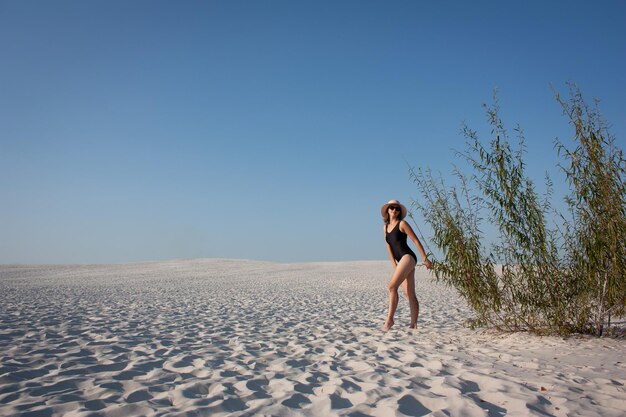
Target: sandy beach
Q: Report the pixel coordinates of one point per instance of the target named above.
(250, 338)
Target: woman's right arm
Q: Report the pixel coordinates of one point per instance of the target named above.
(393, 261)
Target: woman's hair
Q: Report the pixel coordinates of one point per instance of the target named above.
(386, 216)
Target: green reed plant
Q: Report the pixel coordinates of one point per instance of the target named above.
(553, 280)
(595, 246)
(455, 223)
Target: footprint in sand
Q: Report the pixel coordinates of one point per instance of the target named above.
(337, 402)
(139, 395)
(296, 401)
(410, 406)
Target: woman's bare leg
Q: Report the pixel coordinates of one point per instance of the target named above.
(409, 290)
(404, 267)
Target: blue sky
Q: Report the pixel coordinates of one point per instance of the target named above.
(272, 130)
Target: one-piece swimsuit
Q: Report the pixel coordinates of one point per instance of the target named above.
(397, 241)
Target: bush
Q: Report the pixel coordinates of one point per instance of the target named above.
(595, 247)
(553, 280)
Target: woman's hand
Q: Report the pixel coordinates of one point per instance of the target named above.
(428, 264)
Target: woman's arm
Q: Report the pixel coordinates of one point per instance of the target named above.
(406, 228)
(393, 261)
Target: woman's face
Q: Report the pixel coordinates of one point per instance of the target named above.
(394, 212)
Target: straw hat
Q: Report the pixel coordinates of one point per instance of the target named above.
(383, 209)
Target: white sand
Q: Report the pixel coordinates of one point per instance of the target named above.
(243, 338)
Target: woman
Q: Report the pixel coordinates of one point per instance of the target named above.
(402, 258)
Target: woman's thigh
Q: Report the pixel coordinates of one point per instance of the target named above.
(403, 269)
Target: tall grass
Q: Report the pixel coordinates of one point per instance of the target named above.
(553, 279)
(596, 248)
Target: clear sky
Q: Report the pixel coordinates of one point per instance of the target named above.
(274, 130)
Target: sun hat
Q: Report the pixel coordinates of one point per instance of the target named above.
(383, 209)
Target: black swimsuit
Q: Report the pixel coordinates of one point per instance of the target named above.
(397, 242)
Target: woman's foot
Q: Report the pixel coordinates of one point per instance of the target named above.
(388, 325)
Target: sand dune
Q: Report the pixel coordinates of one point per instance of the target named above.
(244, 338)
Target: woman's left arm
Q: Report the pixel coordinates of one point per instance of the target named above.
(406, 229)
